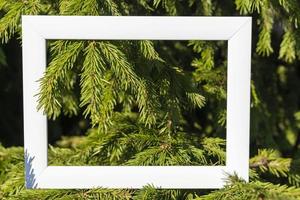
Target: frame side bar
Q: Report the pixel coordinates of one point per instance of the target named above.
(35, 123)
(238, 101)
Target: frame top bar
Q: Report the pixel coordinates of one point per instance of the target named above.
(134, 27)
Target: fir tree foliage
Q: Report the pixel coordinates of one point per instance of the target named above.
(238, 189)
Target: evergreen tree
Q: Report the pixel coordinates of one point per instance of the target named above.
(163, 103)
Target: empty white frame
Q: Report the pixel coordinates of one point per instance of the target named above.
(37, 29)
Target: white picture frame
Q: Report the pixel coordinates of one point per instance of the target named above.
(37, 29)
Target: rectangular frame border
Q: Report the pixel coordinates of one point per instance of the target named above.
(37, 29)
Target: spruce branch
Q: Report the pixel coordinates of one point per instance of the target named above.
(97, 93)
(128, 79)
(264, 8)
(270, 161)
(196, 100)
(78, 7)
(207, 6)
(264, 47)
(243, 6)
(287, 47)
(237, 190)
(148, 51)
(112, 7)
(168, 5)
(149, 192)
(215, 148)
(57, 79)
(10, 22)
